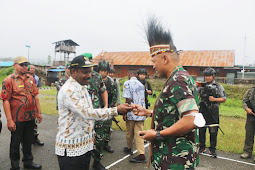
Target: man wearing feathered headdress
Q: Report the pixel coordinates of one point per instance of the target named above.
(175, 117)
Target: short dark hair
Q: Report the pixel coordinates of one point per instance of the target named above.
(132, 71)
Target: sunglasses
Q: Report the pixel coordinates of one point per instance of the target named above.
(24, 64)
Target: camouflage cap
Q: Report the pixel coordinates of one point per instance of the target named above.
(20, 59)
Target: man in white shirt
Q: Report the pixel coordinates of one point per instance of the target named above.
(75, 136)
(133, 91)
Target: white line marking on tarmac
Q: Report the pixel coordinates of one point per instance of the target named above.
(229, 159)
(125, 157)
(145, 146)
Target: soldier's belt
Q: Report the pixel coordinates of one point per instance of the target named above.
(213, 107)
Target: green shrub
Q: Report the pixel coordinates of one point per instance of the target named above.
(235, 91)
(4, 72)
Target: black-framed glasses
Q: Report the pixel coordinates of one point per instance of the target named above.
(24, 64)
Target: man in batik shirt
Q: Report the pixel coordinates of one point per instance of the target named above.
(133, 92)
(76, 117)
(21, 107)
(174, 140)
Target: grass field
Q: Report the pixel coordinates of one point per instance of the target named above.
(232, 120)
(232, 115)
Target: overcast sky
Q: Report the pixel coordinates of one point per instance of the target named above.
(115, 25)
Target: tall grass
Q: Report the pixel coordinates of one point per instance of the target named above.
(52, 92)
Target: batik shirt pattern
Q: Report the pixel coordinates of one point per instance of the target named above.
(178, 96)
(76, 118)
(133, 89)
(21, 95)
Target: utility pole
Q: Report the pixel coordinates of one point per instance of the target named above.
(28, 46)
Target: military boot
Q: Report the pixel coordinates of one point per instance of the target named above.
(37, 141)
(108, 148)
(98, 166)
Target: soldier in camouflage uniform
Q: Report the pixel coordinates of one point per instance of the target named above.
(98, 94)
(111, 87)
(173, 135)
(62, 81)
(111, 74)
(249, 105)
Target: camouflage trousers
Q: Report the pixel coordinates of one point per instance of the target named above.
(102, 137)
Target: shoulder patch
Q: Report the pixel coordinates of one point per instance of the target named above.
(178, 94)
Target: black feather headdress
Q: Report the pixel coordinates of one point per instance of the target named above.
(160, 39)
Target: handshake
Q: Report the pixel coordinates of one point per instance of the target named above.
(138, 110)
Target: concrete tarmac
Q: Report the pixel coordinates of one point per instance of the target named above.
(45, 155)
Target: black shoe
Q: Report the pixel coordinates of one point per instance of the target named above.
(127, 151)
(15, 168)
(32, 166)
(38, 142)
(15, 165)
(213, 153)
(202, 150)
(138, 159)
(98, 166)
(108, 149)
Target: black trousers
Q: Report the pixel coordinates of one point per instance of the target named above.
(78, 163)
(210, 118)
(250, 133)
(22, 135)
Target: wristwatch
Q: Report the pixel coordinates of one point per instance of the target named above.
(158, 137)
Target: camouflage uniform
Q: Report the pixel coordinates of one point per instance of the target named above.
(178, 96)
(95, 88)
(250, 121)
(60, 83)
(111, 87)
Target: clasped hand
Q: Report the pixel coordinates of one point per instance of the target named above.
(139, 110)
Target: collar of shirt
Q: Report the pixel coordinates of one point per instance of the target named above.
(16, 76)
(177, 68)
(78, 85)
(133, 78)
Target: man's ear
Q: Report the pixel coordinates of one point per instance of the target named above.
(72, 71)
(166, 59)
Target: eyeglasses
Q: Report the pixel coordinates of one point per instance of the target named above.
(24, 64)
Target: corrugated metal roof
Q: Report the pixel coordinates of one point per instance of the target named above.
(212, 58)
(6, 63)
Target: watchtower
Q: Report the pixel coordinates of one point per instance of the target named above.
(64, 47)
